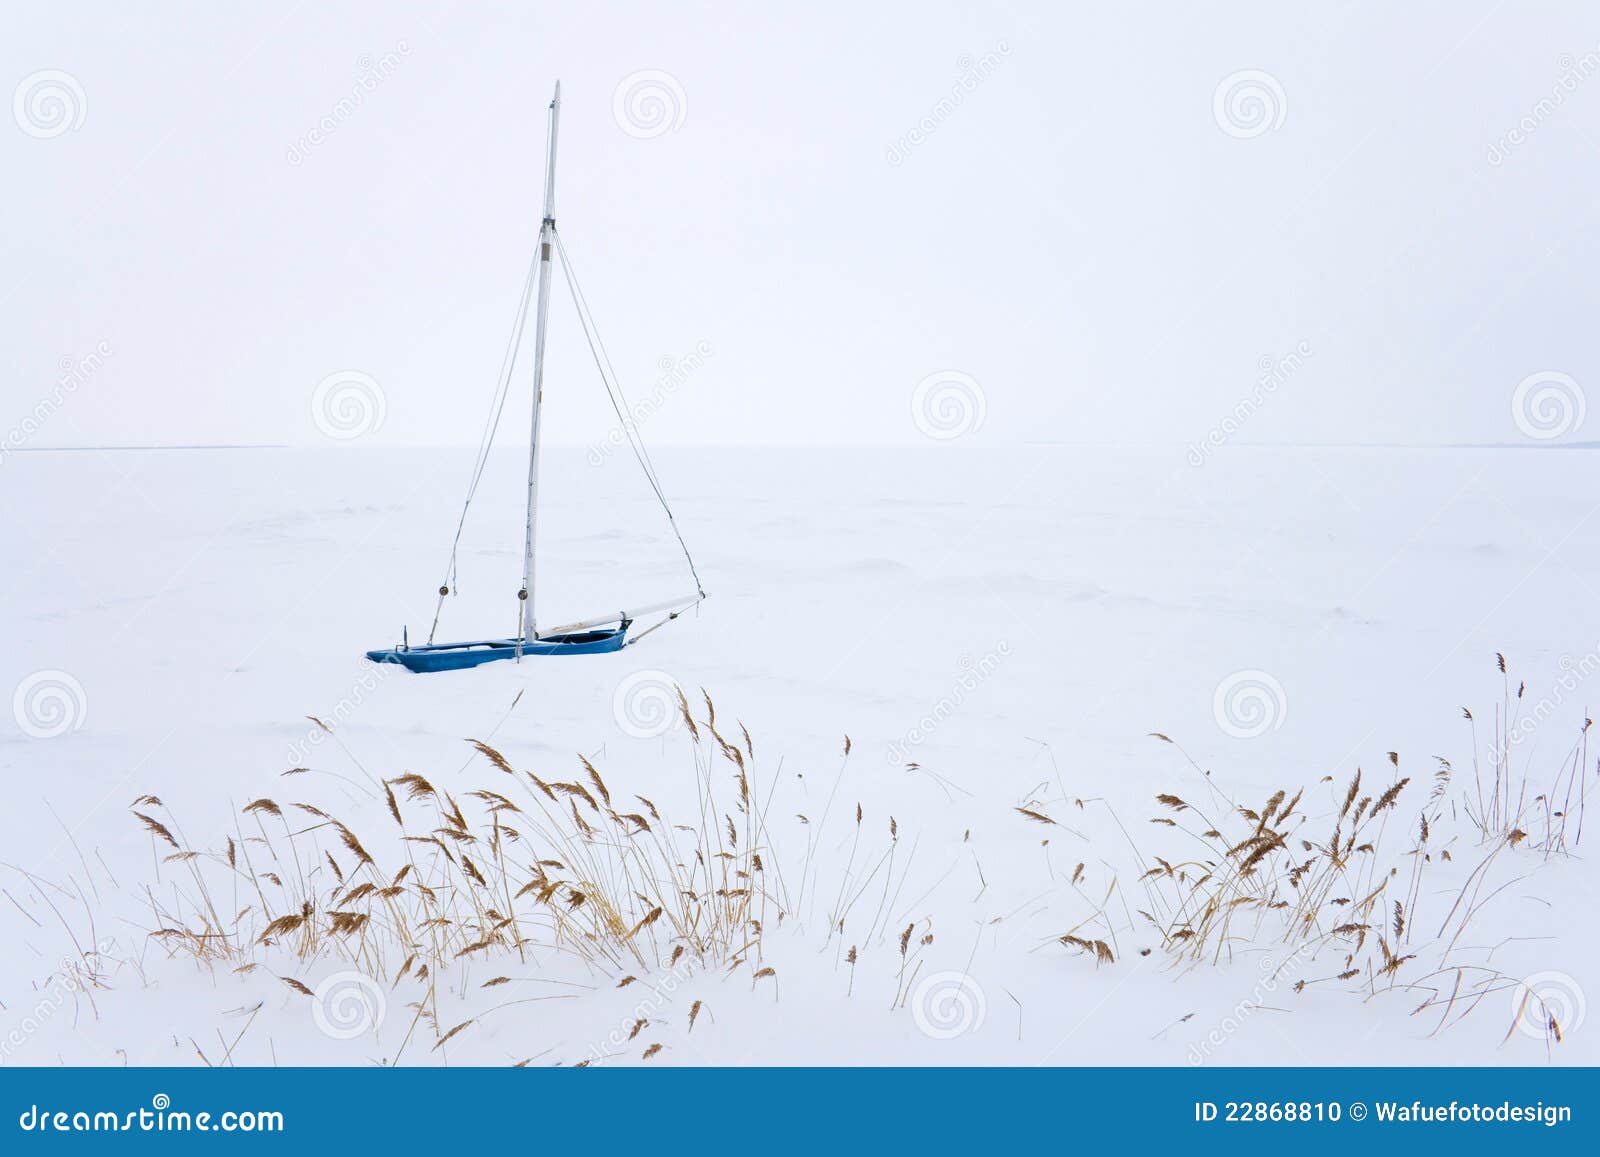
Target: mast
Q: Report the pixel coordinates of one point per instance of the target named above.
(547, 227)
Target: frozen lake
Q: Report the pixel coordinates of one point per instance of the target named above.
(1284, 614)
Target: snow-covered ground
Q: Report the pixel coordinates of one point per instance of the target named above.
(1015, 623)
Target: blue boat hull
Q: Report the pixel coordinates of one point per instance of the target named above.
(459, 656)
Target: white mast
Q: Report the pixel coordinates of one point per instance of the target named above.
(528, 628)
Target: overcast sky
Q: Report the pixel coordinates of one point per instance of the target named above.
(1092, 222)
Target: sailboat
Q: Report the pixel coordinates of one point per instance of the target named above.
(596, 634)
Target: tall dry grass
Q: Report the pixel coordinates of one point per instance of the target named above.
(1367, 883)
(1335, 872)
(516, 868)
(1509, 799)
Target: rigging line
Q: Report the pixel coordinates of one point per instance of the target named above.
(652, 629)
(597, 349)
(613, 394)
(618, 403)
(507, 366)
(629, 427)
(491, 426)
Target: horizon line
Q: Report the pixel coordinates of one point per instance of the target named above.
(919, 445)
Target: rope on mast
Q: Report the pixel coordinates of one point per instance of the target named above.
(619, 403)
(486, 441)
